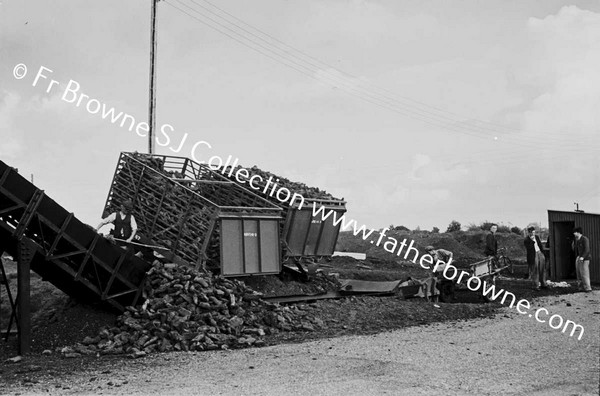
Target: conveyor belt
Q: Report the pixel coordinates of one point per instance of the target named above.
(62, 249)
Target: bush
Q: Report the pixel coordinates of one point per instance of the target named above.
(453, 226)
(474, 227)
(516, 230)
(435, 230)
(400, 228)
(485, 226)
(501, 227)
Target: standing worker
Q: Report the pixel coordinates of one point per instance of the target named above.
(124, 222)
(581, 245)
(491, 244)
(536, 260)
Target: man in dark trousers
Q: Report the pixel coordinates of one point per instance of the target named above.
(491, 244)
(581, 245)
(536, 260)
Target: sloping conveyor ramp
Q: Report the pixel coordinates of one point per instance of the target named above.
(64, 251)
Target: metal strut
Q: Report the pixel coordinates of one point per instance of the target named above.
(11, 301)
(20, 307)
(28, 215)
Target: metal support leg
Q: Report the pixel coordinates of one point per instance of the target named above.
(12, 302)
(23, 305)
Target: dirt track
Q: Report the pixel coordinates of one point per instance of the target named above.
(509, 355)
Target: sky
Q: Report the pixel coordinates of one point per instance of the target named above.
(416, 113)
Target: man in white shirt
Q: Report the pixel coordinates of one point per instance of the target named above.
(124, 222)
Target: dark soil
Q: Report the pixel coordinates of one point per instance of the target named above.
(59, 321)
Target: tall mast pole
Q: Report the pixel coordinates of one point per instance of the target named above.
(152, 104)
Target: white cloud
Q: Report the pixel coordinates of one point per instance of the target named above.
(434, 172)
(495, 66)
(11, 145)
(568, 58)
(564, 116)
(366, 22)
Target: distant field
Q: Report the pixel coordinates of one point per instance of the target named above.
(467, 246)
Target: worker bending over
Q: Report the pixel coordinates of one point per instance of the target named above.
(445, 286)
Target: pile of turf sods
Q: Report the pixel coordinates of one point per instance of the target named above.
(189, 310)
(295, 187)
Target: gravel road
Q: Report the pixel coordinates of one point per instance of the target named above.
(511, 354)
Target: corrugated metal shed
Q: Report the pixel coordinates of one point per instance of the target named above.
(562, 259)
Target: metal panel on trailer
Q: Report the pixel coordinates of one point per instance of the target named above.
(250, 246)
(232, 253)
(319, 236)
(308, 235)
(269, 246)
(313, 237)
(299, 222)
(329, 236)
